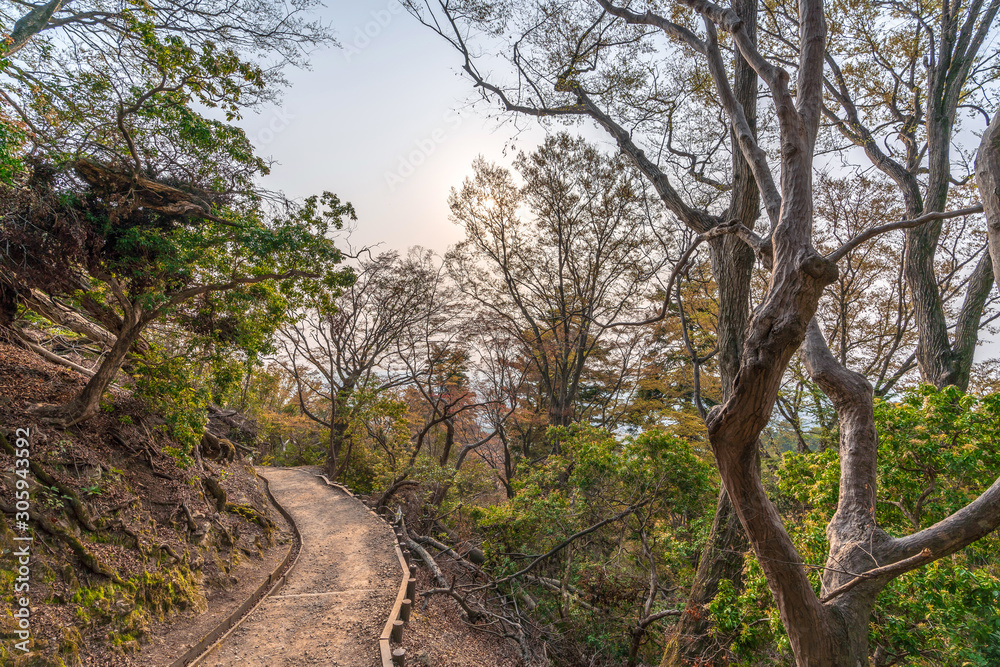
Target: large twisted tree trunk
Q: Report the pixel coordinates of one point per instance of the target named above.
(988, 180)
(829, 630)
(690, 639)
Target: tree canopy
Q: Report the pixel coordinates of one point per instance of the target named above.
(705, 393)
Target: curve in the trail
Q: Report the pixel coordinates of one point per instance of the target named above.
(336, 599)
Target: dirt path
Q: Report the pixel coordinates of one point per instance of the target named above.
(338, 596)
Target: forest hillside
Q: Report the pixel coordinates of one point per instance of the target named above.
(703, 371)
(127, 535)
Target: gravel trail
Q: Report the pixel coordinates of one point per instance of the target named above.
(338, 596)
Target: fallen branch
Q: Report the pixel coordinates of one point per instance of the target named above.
(51, 356)
(445, 549)
(431, 565)
(471, 613)
(474, 554)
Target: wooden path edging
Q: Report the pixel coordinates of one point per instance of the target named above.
(397, 617)
(275, 580)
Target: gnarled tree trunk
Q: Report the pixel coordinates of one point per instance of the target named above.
(732, 261)
(690, 639)
(87, 403)
(988, 180)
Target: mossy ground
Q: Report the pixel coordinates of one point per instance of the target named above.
(96, 595)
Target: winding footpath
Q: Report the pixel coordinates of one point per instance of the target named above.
(337, 597)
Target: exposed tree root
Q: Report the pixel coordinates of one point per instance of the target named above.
(79, 509)
(251, 513)
(216, 491)
(217, 449)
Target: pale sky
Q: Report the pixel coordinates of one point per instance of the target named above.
(390, 123)
(385, 122)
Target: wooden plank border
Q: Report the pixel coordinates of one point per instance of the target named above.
(207, 644)
(385, 639)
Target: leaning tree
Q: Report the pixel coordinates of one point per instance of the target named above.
(141, 264)
(122, 201)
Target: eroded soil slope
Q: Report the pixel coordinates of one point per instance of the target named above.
(126, 541)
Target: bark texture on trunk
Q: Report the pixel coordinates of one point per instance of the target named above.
(690, 639)
(943, 361)
(778, 327)
(732, 261)
(87, 403)
(988, 180)
(560, 411)
(798, 276)
(336, 458)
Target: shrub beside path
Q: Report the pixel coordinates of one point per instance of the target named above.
(337, 597)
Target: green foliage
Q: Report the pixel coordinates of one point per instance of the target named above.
(756, 634)
(92, 489)
(12, 138)
(125, 88)
(941, 440)
(947, 612)
(595, 470)
(170, 387)
(134, 190)
(595, 476)
(378, 427)
(377, 430)
(936, 453)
